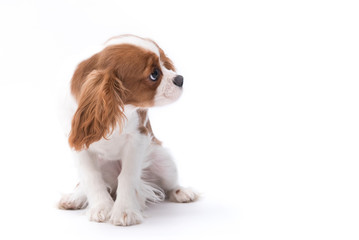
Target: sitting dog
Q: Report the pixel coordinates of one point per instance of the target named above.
(122, 165)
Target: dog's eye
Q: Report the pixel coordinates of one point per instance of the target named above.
(155, 74)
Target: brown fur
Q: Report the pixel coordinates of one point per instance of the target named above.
(145, 125)
(166, 61)
(100, 108)
(103, 84)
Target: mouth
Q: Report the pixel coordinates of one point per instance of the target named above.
(169, 96)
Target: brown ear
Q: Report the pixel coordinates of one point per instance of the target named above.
(100, 109)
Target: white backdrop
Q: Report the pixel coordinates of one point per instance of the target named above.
(267, 128)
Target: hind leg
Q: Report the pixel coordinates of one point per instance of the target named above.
(73, 201)
(165, 171)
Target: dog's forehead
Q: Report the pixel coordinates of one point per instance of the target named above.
(134, 40)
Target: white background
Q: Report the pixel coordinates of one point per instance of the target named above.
(267, 128)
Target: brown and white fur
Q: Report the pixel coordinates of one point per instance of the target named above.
(121, 164)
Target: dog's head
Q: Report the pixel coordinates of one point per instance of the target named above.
(129, 71)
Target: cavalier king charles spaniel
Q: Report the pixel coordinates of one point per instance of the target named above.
(121, 164)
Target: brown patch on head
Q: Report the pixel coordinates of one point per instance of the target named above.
(132, 65)
(163, 57)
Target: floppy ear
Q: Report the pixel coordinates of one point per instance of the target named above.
(100, 109)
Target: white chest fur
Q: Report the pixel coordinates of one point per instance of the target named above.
(114, 146)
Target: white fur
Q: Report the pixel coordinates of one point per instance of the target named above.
(167, 92)
(134, 40)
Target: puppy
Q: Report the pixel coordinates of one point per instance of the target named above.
(122, 165)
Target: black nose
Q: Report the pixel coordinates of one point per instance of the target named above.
(178, 80)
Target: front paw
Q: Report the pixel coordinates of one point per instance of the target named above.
(100, 212)
(72, 202)
(182, 195)
(126, 217)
